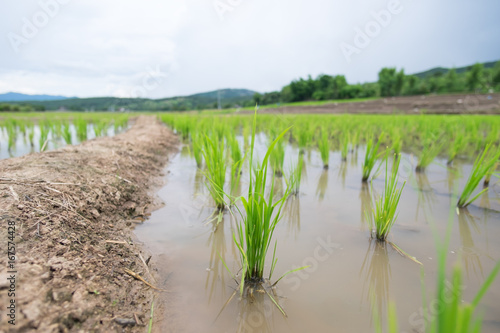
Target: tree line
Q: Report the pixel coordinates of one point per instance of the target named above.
(4, 107)
(391, 82)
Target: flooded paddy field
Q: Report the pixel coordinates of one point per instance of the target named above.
(25, 133)
(350, 277)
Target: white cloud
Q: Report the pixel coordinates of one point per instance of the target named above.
(97, 48)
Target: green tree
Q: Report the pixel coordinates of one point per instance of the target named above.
(271, 98)
(351, 91)
(369, 89)
(399, 81)
(339, 82)
(5, 107)
(451, 81)
(318, 95)
(495, 76)
(411, 86)
(286, 94)
(257, 98)
(302, 90)
(386, 81)
(475, 77)
(436, 83)
(323, 85)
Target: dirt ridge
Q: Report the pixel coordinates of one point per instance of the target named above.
(428, 104)
(74, 210)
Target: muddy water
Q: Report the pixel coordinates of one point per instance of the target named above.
(323, 227)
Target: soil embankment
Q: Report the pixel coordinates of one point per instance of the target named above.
(429, 104)
(74, 210)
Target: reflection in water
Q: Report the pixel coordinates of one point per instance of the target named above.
(216, 272)
(366, 205)
(278, 187)
(319, 301)
(257, 314)
(199, 184)
(322, 185)
(235, 183)
(453, 174)
(426, 195)
(185, 152)
(343, 173)
(354, 157)
(485, 201)
(304, 170)
(377, 274)
(470, 254)
(292, 214)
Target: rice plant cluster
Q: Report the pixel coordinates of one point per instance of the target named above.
(39, 130)
(429, 141)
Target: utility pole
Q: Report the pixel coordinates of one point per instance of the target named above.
(218, 99)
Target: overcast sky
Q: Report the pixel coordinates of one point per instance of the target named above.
(162, 48)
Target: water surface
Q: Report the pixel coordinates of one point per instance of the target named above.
(323, 227)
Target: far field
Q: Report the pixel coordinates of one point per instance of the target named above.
(314, 214)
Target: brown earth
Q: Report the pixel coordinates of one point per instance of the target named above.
(430, 104)
(74, 210)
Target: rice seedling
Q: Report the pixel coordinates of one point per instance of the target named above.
(255, 232)
(56, 129)
(12, 134)
(31, 134)
(295, 176)
(100, 128)
(324, 148)
(491, 170)
(196, 145)
(304, 136)
(22, 130)
(234, 146)
(454, 314)
(236, 163)
(430, 150)
(354, 140)
(81, 129)
(215, 160)
(396, 142)
(455, 147)
(482, 165)
(246, 134)
(66, 133)
(120, 123)
(384, 211)
(344, 146)
(277, 158)
(371, 156)
(182, 125)
(44, 136)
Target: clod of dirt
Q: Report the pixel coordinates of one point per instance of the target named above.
(125, 321)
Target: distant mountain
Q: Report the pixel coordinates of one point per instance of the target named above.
(226, 93)
(206, 100)
(17, 97)
(443, 70)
